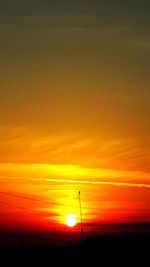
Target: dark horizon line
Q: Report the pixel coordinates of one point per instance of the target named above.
(74, 229)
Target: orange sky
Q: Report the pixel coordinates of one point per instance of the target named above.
(74, 112)
(39, 196)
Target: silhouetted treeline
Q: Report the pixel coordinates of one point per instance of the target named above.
(103, 250)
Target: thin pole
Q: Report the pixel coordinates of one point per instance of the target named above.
(81, 218)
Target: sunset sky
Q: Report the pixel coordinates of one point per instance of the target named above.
(74, 112)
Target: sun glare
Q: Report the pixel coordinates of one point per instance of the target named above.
(71, 220)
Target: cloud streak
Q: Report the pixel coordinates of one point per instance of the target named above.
(93, 182)
(29, 150)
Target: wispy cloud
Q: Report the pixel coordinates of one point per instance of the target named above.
(72, 173)
(94, 182)
(29, 150)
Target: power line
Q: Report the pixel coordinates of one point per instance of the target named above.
(38, 200)
(25, 208)
(63, 204)
(46, 201)
(15, 206)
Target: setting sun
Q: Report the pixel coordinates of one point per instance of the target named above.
(71, 220)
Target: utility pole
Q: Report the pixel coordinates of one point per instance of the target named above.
(81, 219)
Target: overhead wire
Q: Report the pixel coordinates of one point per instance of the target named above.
(58, 203)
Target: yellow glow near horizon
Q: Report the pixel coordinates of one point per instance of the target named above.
(70, 203)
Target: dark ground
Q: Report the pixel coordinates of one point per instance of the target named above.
(95, 251)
